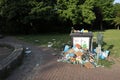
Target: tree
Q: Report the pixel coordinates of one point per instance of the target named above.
(41, 9)
(42, 13)
(116, 20)
(69, 10)
(13, 14)
(104, 11)
(87, 11)
(77, 11)
(25, 15)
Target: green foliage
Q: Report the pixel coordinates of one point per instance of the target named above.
(28, 15)
(13, 14)
(116, 20)
(76, 11)
(104, 12)
(106, 7)
(68, 10)
(19, 15)
(87, 11)
(40, 10)
(106, 63)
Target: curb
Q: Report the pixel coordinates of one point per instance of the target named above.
(8, 64)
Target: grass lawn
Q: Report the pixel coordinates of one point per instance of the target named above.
(111, 40)
(58, 40)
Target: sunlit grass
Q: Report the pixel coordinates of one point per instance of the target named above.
(111, 41)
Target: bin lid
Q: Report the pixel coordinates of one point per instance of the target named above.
(81, 34)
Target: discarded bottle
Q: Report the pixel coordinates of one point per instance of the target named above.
(72, 29)
(27, 51)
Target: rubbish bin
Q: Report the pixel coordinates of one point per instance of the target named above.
(82, 38)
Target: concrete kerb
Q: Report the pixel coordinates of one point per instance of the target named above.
(11, 61)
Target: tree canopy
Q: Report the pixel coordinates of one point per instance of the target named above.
(116, 19)
(23, 16)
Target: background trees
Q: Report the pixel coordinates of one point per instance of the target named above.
(14, 13)
(104, 12)
(116, 19)
(35, 16)
(77, 12)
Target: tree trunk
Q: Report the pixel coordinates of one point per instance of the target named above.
(118, 27)
(101, 28)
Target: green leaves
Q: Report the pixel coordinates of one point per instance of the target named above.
(40, 10)
(76, 11)
(87, 11)
(116, 19)
(106, 7)
(69, 12)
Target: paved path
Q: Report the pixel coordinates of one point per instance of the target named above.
(4, 52)
(41, 65)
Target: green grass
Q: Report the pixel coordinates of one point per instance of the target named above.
(111, 42)
(58, 40)
(106, 63)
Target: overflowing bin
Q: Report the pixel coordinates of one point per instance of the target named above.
(82, 38)
(81, 52)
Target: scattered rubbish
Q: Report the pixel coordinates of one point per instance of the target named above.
(27, 51)
(54, 53)
(37, 65)
(36, 41)
(102, 54)
(66, 48)
(82, 30)
(88, 65)
(79, 55)
(81, 50)
(50, 44)
(53, 39)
